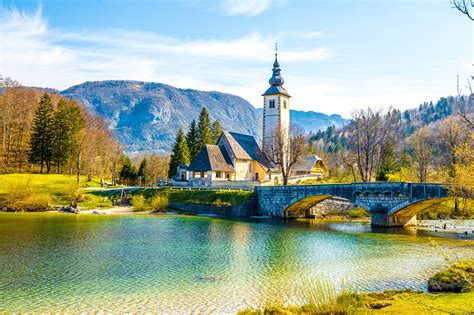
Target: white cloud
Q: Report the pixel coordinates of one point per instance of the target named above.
(246, 7)
(37, 55)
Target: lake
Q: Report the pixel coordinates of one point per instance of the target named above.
(138, 263)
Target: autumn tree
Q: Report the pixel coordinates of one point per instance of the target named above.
(42, 133)
(421, 145)
(158, 166)
(451, 135)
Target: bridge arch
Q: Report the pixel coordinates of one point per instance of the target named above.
(391, 204)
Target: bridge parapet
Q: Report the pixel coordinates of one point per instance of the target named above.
(385, 200)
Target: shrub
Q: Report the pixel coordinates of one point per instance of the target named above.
(138, 203)
(21, 196)
(458, 278)
(358, 213)
(158, 202)
(36, 202)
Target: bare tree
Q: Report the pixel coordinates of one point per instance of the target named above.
(117, 151)
(451, 135)
(463, 6)
(423, 153)
(465, 105)
(367, 132)
(285, 155)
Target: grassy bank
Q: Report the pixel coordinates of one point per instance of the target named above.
(208, 197)
(321, 296)
(388, 302)
(34, 192)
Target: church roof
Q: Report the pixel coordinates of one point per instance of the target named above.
(211, 158)
(276, 89)
(306, 163)
(244, 147)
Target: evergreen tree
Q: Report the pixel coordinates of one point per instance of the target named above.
(77, 123)
(62, 138)
(204, 129)
(216, 131)
(143, 172)
(42, 133)
(388, 164)
(128, 171)
(192, 140)
(180, 153)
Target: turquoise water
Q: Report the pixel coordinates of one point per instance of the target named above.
(138, 263)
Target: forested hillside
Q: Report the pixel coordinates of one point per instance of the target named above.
(433, 142)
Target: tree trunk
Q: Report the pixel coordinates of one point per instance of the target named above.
(78, 165)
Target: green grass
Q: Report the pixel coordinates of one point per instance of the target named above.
(208, 197)
(36, 191)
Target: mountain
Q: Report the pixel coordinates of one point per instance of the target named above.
(146, 116)
(311, 121)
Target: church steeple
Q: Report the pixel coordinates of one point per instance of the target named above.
(276, 81)
(276, 111)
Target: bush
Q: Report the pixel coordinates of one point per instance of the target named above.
(158, 203)
(21, 196)
(138, 203)
(358, 213)
(458, 278)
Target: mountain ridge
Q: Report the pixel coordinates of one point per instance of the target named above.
(145, 116)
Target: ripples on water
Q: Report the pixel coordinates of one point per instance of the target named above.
(182, 264)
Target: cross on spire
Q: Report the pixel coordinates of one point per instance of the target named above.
(276, 48)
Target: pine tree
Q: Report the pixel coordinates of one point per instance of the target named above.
(128, 171)
(77, 123)
(204, 129)
(42, 133)
(216, 131)
(192, 140)
(180, 153)
(143, 172)
(62, 138)
(389, 164)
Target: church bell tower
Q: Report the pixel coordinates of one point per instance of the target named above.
(276, 112)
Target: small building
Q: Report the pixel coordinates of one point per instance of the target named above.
(309, 165)
(181, 172)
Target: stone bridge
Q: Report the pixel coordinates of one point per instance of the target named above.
(390, 204)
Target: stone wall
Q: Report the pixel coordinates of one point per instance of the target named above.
(237, 211)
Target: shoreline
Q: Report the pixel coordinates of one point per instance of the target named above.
(448, 226)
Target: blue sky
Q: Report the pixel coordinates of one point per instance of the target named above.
(335, 55)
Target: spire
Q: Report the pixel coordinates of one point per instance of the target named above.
(276, 78)
(276, 64)
(276, 81)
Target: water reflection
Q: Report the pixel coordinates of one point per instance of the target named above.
(181, 264)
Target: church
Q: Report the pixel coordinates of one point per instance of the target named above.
(237, 160)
